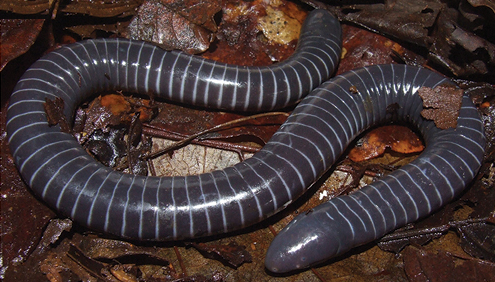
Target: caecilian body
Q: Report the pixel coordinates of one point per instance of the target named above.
(316, 133)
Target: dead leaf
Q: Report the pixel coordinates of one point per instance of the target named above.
(442, 105)
(425, 266)
(184, 122)
(459, 48)
(413, 24)
(279, 27)
(98, 116)
(400, 139)
(52, 234)
(396, 241)
(90, 266)
(112, 110)
(478, 240)
(230, 254)
(125, 273)
(199, 12)
(244, 38)
(101, 9)
(117, 104)
(17, 36)
(486, 3)
(21, 7)
(107, 146)
(24, 217)
(55, 114)
(456, 37)
(87, 7)
(170, 30)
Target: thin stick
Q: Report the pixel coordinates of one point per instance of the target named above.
(188, 139)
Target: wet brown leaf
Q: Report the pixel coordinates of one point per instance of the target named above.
(247, 36)
(199, 12)
(101, 9)
(457, 37)
(173, 28)
(107, 146)
(422, 265)
(363, 48)
(105, 122)
(26, 7)
(482, 193)
(92, 267)
(52, 234)
(230, 254)
(216, 277)
(113, 110)
(55, 114)
(102, 248)
(458, 48)
(486, 3)
(125, 273)
(478, 240)
(97, 116)
(117, 104)
(138, 147)
(87, 7)
(398, 240)
(441, 104)
(399, 139)
(417, 17)
(17, 36)
(23, 217)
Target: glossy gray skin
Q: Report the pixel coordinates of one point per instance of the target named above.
(162, 208)
(168, 208)
(449, 162)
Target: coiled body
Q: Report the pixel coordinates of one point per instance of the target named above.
(314, 136)
(161, 208)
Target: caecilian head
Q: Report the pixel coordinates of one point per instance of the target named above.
(302, 243)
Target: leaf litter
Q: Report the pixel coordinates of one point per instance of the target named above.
(69, 257)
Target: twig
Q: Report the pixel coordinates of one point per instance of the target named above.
(188, 139)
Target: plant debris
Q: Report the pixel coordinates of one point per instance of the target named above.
(107, 147)
(457, 36)
(52, 234)
(251, 31)
(86, 7)
(112, 110)
(107, 250)
(54, 110)
(399, 139)
(421, 265)
(441, 104)
(478, 240)
(180, 25)
(17, 36)
(230, 254)
(105, 123)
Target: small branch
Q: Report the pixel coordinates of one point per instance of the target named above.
(188, 139)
